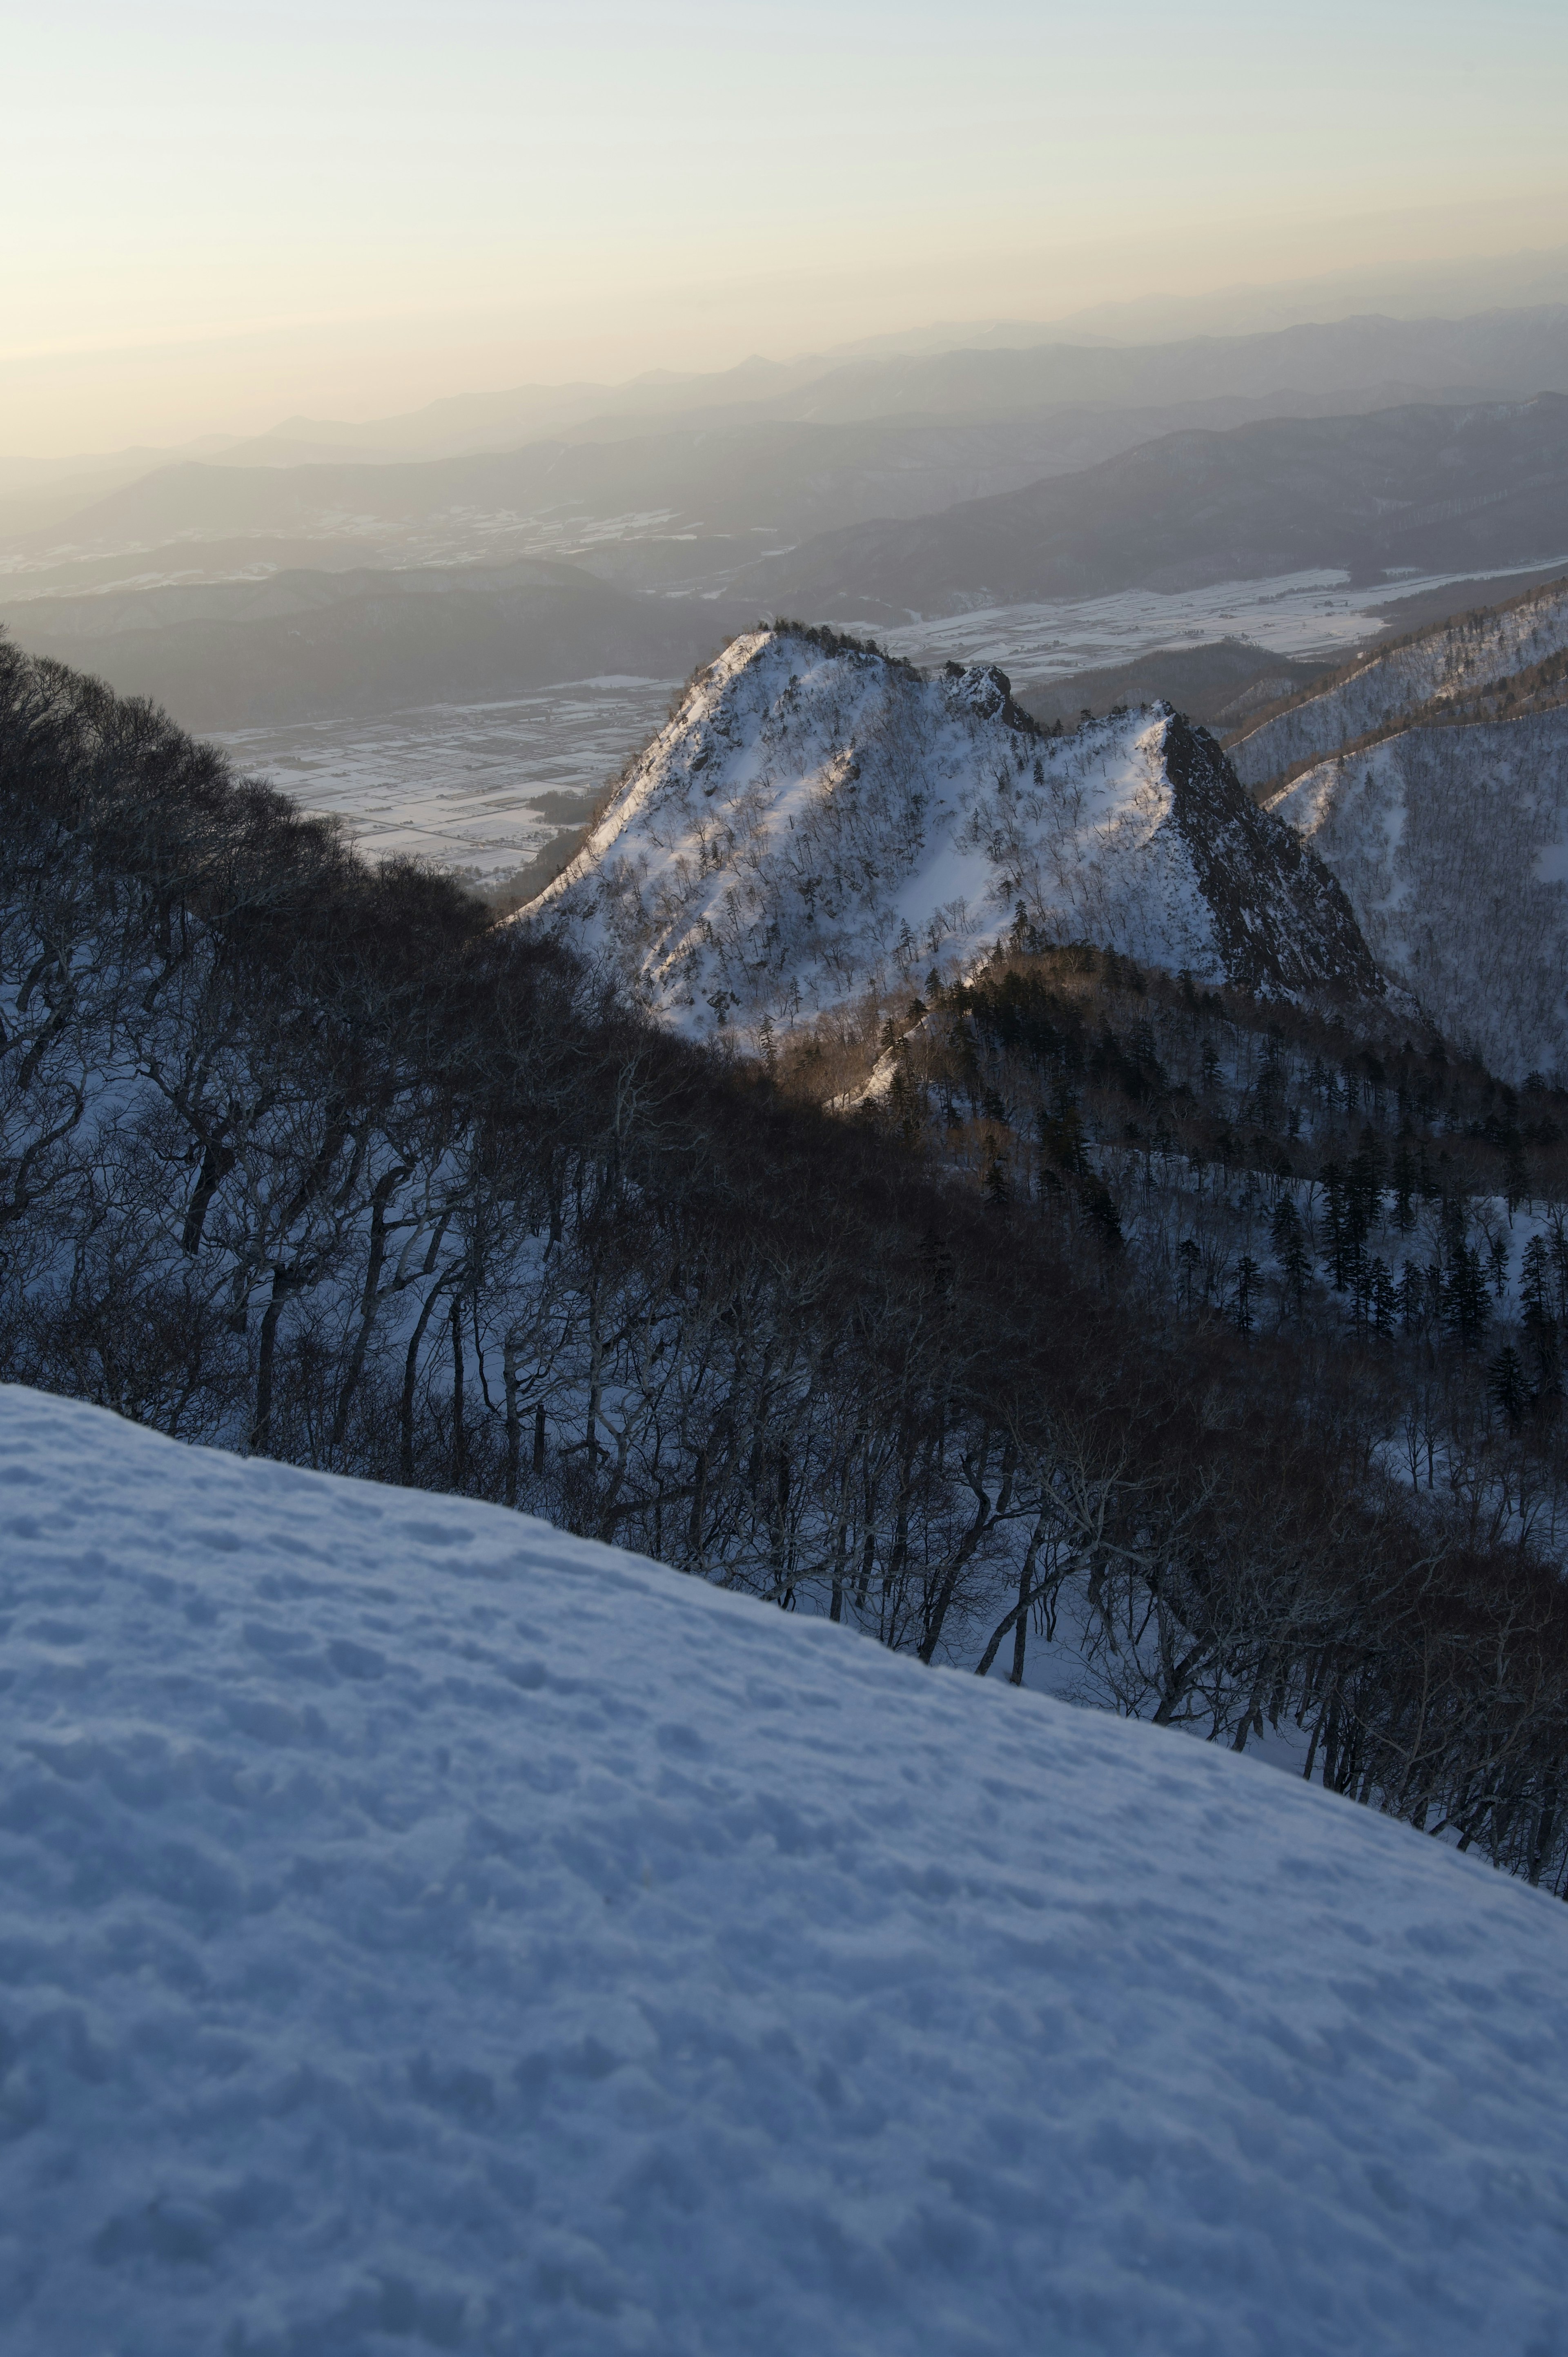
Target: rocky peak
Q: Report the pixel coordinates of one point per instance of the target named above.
(818, 821)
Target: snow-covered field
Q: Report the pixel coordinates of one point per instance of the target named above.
(455, 783)
(421, 1930)
(1291, 613)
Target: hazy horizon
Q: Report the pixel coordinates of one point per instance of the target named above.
(349, 212)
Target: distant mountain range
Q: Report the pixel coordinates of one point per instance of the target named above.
(1047, 406)
(1422, 490)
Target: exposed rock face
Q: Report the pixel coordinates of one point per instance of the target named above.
(1281, 921)
(817, 820)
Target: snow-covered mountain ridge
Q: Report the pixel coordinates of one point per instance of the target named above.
(1421, 679)
(425, 1930)
(818, 821)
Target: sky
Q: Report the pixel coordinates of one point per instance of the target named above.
(219, 215)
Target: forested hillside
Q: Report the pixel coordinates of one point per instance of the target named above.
(313, 1161)
(1452, 844)
(1432, 779)
(1493, 663)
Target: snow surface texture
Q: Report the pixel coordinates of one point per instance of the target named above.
(817, 823)
(1452, 845)
(425, 1930)
(1461, 655)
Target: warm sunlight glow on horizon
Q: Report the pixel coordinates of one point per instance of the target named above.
(220, 217)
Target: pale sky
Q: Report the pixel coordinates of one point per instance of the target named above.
(218, 214)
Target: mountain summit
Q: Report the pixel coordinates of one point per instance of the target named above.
(819, 820)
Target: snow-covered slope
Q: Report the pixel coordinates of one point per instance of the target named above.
(817, 820)
(421, 1930)
(1435, 667)
(1452, 844)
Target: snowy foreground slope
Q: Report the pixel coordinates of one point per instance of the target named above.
(421, 1930)
(1452, 845)
(1433, 668)
(818, 821)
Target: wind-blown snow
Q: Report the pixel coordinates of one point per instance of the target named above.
(425, 1930)
(817, 822)
(1449, 844)
(1446, 662)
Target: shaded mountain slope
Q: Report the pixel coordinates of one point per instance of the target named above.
(1452, 847)
(817, 821)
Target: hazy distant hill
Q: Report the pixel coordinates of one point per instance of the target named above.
(1501, 350)
(782, 450)
(1008, 372)
(1423, 489)
(686, 509)
(1217, 684)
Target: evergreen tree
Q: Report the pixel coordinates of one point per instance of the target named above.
(1289, 1241)
(1331, 1179)
(1505, 1385)
(1247, 1276)
(1541, 1336)
(1099, 1211)
(1411, 1298)
(1382, 1298)
(1465, 1308)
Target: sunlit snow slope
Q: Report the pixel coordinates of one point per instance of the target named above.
(817, 820)
(1433, 669)
(1452, 844)
(421, 1930)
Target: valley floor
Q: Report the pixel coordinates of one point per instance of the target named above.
(461, 784)
(1290, 614)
